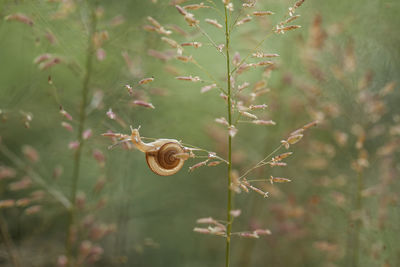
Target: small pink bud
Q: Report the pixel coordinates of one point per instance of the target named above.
(33, 209)
(65, 114)
(30, 153)
(7, 203)
(236, 213)
(99, 157)
(101, 54)
(62, 261)
(87, 134)
(143, 104)
(73, 145)
(67, 126)
(111, 114)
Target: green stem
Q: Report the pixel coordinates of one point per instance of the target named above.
(14, 259)
(230, 195)
(82, 119)
(357, 225)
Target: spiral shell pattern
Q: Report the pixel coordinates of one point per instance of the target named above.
(163, 162)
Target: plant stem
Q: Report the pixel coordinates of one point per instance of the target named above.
(357, 225)
(230, 195)
(8, 242)
(82, 119)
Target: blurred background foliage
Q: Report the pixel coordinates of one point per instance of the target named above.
(341, 68)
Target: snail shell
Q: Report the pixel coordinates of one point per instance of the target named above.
(163, 162)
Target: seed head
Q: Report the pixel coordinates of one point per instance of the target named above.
(282, 30)
(262, 13)
(263, 122)
(188, 78)
(232, 130)
(294, 139)
(281, 156)
(181, 10)
(20, 18)
(195, 6)
(254, 107)
(143, 104)
(194, 44)
(280, 164)
(198, 165)
(263, 55)
(243, 86)
(111, 114)
(170, 41)
(222, 120)
(249, 115)
(41, 58)
(33, 209)
(249, 5)
(309, 125)
(67, 126)
(235, 213)
(214, 163)
(185, 58)
(243, 21)
(213, 22)
(155, 23)
(262, 232)
(30, 153)
(278, 180)
(249, 235)
(7, 203)
(146, 80)
(208, 88)
(87, 134)
(130, 89)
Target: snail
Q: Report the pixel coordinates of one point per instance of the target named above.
(164, 157)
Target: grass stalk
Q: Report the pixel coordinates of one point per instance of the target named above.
(82, 119)
(8, 243)
(230, 195)
(357, 224)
